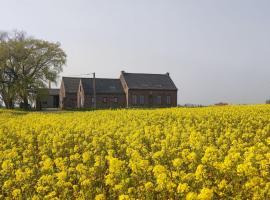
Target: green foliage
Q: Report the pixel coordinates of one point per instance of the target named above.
(27, 64)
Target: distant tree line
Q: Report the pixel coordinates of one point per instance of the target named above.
(26, 65)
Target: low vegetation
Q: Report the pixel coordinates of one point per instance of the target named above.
(178, 153)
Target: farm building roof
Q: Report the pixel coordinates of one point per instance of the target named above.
(71, 84)
(53, 91)
(103, 86)
(149, 81)
(49, 91)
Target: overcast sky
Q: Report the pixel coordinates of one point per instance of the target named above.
(215, 50)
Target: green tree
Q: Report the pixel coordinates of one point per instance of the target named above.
(27, 64)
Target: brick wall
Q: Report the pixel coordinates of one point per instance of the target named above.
(151, 98)
(61, 95)
(109, 103)
(70, 101)
(80, 97)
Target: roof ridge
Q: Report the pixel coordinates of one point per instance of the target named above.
(91, 78)
(145, 73)
(70, 77)
(109, 78)
(149, 81)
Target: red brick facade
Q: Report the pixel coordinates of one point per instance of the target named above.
(102, 100)
(67, 100)
(132, 91)
(151, 98)
(148, 98)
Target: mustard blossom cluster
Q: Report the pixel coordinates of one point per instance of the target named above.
(173, 153)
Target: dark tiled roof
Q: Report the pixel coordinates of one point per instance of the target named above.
(103, 86)
(149, 81)
(47, 91)
(71, 84)
(53, 91)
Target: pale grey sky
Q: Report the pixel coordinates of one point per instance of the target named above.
(215, 50)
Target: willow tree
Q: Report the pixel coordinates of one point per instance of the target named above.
(26, 65)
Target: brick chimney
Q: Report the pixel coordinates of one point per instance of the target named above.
(168, 74)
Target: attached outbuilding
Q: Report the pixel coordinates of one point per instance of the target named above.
(47, 99)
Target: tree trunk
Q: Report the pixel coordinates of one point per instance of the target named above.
(25, 103)
(8, 103)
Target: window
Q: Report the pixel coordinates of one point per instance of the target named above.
(134, 99)
(159, 100)
(115, 99)
(168, 100)
(93, 100)
(104, 99)
(141, 99)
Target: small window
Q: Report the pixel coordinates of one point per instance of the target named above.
(168, 100)
(134, 99)
(104, 99)
(93, 100)
(141, 99)
(115, 99)
(159, 100)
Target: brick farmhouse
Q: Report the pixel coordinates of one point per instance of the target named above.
(109, 93)
(131, 90)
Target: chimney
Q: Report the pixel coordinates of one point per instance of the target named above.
(49, 84)
(168, 74)
(122, 72)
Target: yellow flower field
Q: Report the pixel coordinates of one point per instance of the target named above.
(177, 153)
